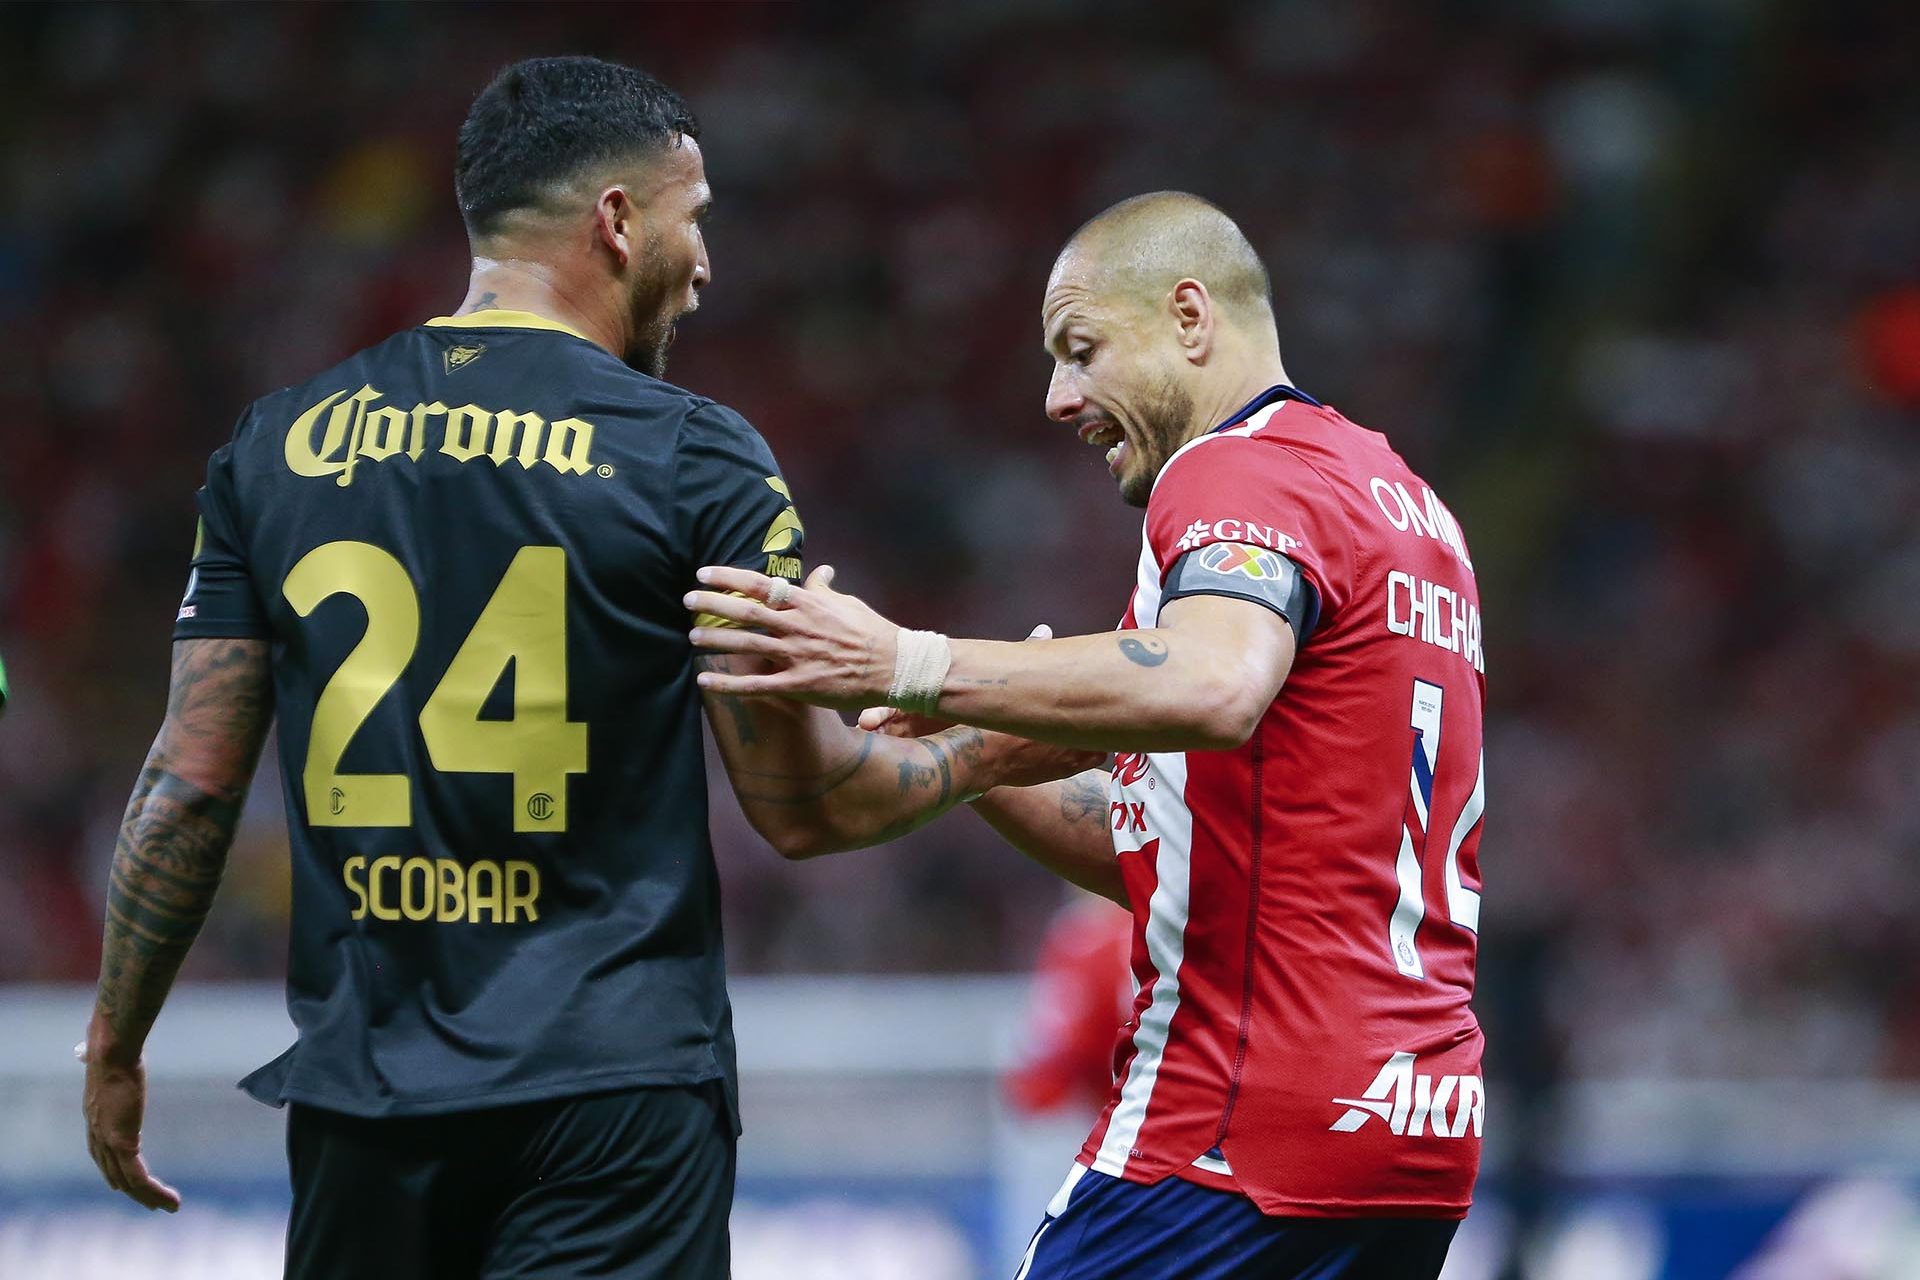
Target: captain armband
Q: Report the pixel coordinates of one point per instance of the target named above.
(1247, 573)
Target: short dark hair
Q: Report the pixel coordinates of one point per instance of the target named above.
(543, 120)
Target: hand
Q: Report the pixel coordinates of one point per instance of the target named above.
(115, 1102)
(828, 648)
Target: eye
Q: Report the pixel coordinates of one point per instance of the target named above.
(1082, 355)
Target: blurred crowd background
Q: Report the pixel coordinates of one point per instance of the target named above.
(1635, 282)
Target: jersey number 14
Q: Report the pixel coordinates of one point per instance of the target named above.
(524, 623)
(1463, 904)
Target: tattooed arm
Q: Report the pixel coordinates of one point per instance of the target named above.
(811, 784)
(1062, 826)
(166, 868)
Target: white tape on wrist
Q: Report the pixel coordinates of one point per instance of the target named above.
(920, 667)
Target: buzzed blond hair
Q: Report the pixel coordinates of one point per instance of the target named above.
(1147, 244)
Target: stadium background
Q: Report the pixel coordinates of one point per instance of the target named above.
(1636, 282)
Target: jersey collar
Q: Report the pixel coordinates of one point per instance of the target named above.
(498, 318)
(1272, 395)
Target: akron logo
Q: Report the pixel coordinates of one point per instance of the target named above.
(1243, 561)
(1412, 1104)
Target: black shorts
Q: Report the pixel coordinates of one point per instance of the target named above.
(631, 1185)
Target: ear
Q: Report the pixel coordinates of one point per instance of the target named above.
(616, 223)
(1192, 309)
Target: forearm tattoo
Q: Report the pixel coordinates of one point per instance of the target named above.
(1083, 798)
(744, 727)
(776, 786)
(1145, 653)
(172, 848)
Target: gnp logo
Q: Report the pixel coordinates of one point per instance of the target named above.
(1201, 532)
(1409, 1103)
(1129, 767)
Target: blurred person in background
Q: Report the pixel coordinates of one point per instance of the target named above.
(452, 566)
(1082, 990)
(1296, 695)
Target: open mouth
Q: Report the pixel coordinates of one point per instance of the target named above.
(1108, 436)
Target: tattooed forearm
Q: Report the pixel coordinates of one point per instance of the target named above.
(1145, 653)
(915, 776)
(929, 790)
(172, 851)
(173, 841)
(738, 712)
(774, 787)
(1083, 798)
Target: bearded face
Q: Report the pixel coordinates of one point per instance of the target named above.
(661, 288)
(1162, 411)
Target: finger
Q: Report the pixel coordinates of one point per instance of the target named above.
(874, 717)
(146, 1189)
(821, 579)
(735, 640)
(734, 608)
(739, 686)
(745, 581)
(116, 1170)
(1041, 632)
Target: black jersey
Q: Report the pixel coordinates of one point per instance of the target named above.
(469, 546)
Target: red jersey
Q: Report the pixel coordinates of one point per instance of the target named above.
(1305, 906)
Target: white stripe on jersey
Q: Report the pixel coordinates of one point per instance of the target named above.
(1463, 904)
(1213, 1164)
(1171, 822)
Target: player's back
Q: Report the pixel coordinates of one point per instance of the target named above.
(469, 544)
(1315, 1047)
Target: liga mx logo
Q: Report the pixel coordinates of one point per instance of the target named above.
(1244, 561)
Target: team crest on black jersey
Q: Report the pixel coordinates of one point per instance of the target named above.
(461, 356)
(783, 536)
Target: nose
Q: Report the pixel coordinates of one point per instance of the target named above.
(702, 268)
(1064, 400)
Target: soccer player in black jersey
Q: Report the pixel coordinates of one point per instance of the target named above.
(452, 568)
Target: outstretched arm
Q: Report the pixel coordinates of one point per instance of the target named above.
(166, 868)
(1200, 681)
(811, 784)
(1064, 826)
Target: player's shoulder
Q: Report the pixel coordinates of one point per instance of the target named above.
(1272, 448)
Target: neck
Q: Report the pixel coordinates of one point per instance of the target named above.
(1239, 386)
(520, 284)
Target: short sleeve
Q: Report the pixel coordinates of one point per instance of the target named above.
(220, 600)
(732, 505)
(1259, 495)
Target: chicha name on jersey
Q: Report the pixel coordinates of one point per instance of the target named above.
(1424, 610)
(358, 431)
(443, 890)
(1438, 615)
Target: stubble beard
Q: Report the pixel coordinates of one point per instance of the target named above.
(1165, 417)
(653, 318)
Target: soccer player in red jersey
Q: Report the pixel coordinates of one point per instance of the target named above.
(1295, 693)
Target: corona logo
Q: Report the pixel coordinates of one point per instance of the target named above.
(336, 435)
